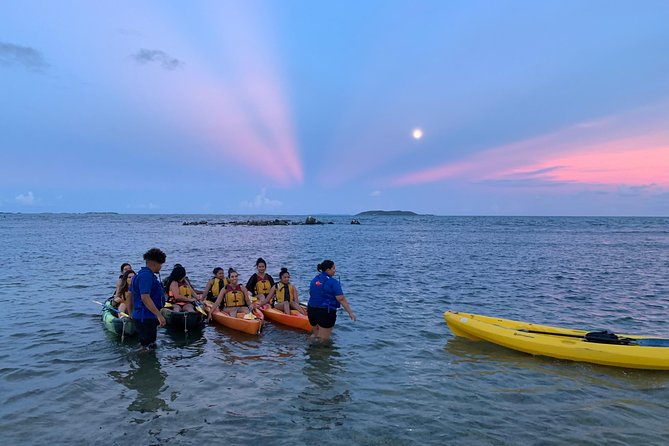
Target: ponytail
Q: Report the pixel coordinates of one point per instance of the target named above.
(324, 265)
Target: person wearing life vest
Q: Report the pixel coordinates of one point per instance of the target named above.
(283, 295)
(260, 283)
(148, 298)
(123, 300)
(215, 284)
(325, 296)
(180, 293)
(234, 298)
(124, 267)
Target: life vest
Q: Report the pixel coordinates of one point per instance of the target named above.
(234, 296)
(263, 285)
(321, 294)
(184, 290)
(216, 287)
(281, 292)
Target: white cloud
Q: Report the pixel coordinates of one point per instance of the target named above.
(376, 193)
(26, 199)
(261, 201)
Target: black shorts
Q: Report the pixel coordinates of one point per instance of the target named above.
(147, 331)
(322, 317)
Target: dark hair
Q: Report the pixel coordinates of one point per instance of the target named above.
(124, 281)
(231, 270)
(123, 265)
(324, 265)
(177, 275)
(283, 271)
(156, 255)
(261, 260)
(217, 269)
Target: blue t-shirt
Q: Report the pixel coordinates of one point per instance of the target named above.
(146, 282)
(323, 292)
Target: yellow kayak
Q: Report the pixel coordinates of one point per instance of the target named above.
(622, 350)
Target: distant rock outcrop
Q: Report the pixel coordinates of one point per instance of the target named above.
(276, 222)
(404, 213)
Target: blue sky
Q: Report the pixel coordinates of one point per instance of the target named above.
(301, 107)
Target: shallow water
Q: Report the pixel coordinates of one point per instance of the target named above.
(396, 376)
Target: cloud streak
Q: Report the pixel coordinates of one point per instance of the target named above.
(145, 56)
(611, 152)
(18, 55)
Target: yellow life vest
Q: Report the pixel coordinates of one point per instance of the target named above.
(263, 286)
(234, 297)
(281, 292)
(184, 290)
(217, 286)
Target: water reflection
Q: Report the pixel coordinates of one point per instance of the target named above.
(472, 354)
(325, 400)
(146, 377)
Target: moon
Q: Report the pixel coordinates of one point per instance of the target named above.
(417, 134)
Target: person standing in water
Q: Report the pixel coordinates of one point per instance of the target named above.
(325, 296)
(148, 298)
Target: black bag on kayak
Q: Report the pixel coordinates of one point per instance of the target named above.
(606, 337)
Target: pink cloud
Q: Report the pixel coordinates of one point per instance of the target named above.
(602, 152)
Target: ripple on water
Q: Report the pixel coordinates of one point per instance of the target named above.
(396, 376)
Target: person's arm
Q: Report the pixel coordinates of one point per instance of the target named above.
(344, 303)
(128, 303)
(271, 280)
(297, 297)
(148, 303)
(270, 296)
(195, 292)
(219, 299)
(247, 298)
(117, 291)
(207, 288)
(174, 288)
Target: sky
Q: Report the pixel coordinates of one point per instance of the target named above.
(286, 107)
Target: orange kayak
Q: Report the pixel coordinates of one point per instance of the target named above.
(239, 323)
(295, 319)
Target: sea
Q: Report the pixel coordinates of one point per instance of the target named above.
(395, 376)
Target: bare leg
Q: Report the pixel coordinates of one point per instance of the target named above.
(314, 333)
(188, 308)
(296, 306)
(122, 308)
(324, 334)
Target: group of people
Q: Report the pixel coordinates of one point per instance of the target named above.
(141, 295)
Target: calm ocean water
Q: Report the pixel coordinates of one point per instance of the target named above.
(396, 376)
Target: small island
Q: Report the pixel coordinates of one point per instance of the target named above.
(403, 213)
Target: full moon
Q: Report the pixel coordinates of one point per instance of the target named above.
(417, 133)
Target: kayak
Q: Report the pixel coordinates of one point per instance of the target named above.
(239, 323)
(122, 326)
(605, 348)
(183, 320)
(295, 319)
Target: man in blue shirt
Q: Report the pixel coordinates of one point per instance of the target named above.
(148, 298)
